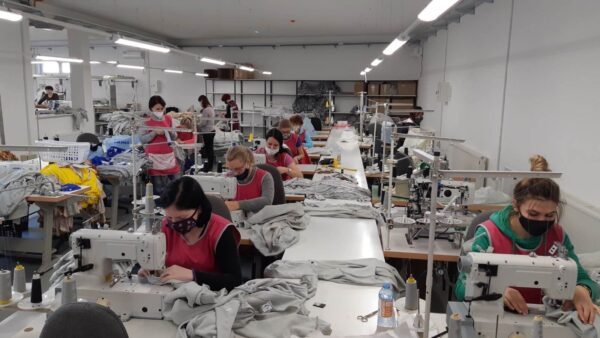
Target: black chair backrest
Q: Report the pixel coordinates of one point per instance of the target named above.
(219, 206)
(279, 195)
(482, 217)
(89, 138)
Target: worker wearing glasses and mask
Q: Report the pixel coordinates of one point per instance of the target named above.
(201, 245)
(255, 187)
(278, 156)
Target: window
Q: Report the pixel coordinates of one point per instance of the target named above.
(50, 68)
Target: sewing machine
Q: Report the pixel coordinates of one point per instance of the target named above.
(97, 250)
(482, 314)
(224, 186)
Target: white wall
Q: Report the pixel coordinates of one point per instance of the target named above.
(550, 102)
(13, 87)
(321, 62)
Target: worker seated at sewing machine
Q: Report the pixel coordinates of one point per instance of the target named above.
(201, 246)
(529, 226)
(279, 156)
(255, 187)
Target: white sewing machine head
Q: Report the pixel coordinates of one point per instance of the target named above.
(489, 273)
(97, 250)
(482, 314)
(219, 184)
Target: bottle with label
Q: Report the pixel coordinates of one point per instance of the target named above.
(387, 313)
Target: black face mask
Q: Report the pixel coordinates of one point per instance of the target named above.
(243, 175)
(533, 227)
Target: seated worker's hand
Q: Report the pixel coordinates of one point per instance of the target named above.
(515, 301)
(582, 302)
(283, 170)
(142, 273)
(232, 205)
(176, 272)
(159, 132)
(297, 159)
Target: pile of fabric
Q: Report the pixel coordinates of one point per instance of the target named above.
(273, 228)
(15, 185)
(318, 88)
(260, 308)
(326, 189)
(7, 156)
(121, 122)
(346, 210)
(311, 104)
(78, 115)
(121, 165)
(368, 271)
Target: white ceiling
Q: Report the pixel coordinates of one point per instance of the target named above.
(193, 22)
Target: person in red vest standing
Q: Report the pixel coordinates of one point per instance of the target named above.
(530, 225)
(255, 187)
(164, 166)
(232, 111)
(201, 245)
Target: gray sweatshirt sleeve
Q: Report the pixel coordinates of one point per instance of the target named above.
(268, 191)
(147, 137)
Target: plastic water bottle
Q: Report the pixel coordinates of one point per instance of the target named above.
(387, 312)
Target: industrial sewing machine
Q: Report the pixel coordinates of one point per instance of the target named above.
(222, 185)
(97, 250)
(482, 314)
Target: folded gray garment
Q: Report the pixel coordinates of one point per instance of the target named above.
(259, 308)
(369, 271)
(20, 183)
(327, 188)
(571, 319)
(347, 210)
(273, 228)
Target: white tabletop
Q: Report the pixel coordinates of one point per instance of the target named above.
(345, 142)
(399, 247)
(328, 238)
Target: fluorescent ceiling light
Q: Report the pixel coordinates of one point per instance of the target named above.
(95, 62)
(142, 45)
(55, 58)
(367, 70)
(393, 46)
(202, 74)
(112, 62)
(363, 73)
(9, 16)
(248, 69)
(130, 67)
(213, 61)
(267, 73)
(38, 62)
(376, 62)
(173, 71)
(435, 8)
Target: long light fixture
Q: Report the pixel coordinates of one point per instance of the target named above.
(435, 8)
(173, 71)
(111, 62)
(367, 70)
(56, 58)
(142, 45)
(376, 62)
(394, 46)
(213, 61)
(201, 74)
(248, 69)
(130, 67)
(38, 62)
(95, 62)
(363, 73)
(9, 16)
(267, 73)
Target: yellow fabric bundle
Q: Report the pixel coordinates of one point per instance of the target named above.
(78, 176)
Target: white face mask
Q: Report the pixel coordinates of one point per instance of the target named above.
(158, 114)
(271, 152)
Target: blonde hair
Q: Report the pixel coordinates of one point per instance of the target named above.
(187, 122)
(538, 163)
(241, 153)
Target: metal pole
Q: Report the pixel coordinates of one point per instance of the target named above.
(432, 223)
(135, 173)
(330, 108)
(361, 106)
(375, 131)
(390, 221)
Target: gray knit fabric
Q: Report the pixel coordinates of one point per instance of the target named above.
(347, 210)
(327, 189)
(571, 320)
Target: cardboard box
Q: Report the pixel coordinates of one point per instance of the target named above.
(385, 89)
(373, 89)
(239, 74)
(359, 86)
(407, 88)
(212, 73)
(225, 73)
(403, 103)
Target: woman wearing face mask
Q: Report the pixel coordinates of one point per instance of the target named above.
(278, 156)
(297, 127)
(201, 246)
(255, 188)
(165, 167)
(293, 142)
(530, 225)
